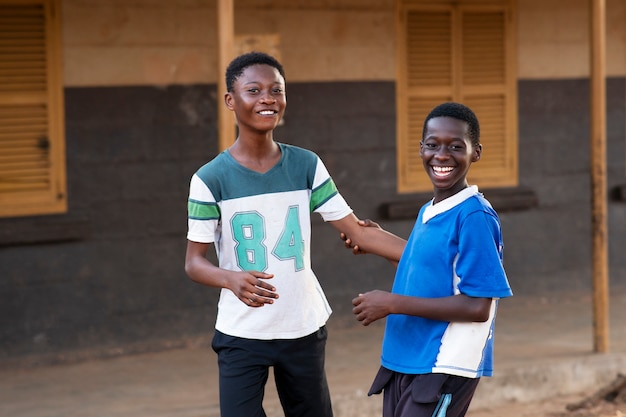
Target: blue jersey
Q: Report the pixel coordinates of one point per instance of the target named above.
(262, 222)
(454, 248)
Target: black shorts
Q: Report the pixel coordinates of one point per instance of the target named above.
(427, 395)
(298, 373)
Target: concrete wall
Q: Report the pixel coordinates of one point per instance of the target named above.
(140, 119)
(132, 150)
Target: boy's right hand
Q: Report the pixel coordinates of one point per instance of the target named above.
(250, 288)
(348, 243)
(372, 306)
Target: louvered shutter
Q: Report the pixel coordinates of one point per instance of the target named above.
(485, 88)
(427, 81)
(32, 162)
(464, 53)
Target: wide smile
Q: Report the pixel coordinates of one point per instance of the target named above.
(267, 112)
(442, 172)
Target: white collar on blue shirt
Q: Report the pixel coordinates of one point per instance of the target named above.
(450, 202)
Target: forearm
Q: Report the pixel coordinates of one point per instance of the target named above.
(204, 272)
(372, 240)
(249, 286)
(379, 242)
(456, 308)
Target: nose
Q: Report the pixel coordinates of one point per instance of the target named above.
(442, 153)
(268, 98)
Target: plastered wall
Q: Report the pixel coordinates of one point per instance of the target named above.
(164, 42)
(553, 38)
(161, 42)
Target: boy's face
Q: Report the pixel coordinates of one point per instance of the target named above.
(447, 153)
(258, 98)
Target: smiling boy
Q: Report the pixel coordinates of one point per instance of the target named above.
(253, 202)
(440, 314)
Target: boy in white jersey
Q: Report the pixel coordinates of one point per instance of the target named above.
(253, 202)
(441, 311)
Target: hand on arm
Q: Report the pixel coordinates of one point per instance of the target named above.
(356, 249)
(348, 242)
(248, 286)
(375, 305)
(366, 236)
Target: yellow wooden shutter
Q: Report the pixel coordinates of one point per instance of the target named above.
(488, 88)
(425, 79)
(32, 160)
(457, 52)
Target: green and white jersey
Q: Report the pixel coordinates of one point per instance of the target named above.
(262, 222)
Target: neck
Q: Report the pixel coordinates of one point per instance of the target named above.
(260, 157)
(441, 195)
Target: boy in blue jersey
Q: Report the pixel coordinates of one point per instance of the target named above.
(253, 202)
(441, 311)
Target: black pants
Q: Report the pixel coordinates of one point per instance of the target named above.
(298, 372)
(427, 395)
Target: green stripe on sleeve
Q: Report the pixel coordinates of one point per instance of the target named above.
(322, 194)
(199, 210)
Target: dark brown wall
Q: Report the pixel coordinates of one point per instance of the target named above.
(110, 272)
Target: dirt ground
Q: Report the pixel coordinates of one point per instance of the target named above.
(607, 401)
(182, 382)
(553, 407)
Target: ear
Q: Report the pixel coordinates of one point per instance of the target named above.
(477, 152)
(229, 101)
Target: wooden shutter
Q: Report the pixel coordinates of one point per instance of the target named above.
(457, 52)
(32, 161)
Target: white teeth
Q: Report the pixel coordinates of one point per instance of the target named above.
(443, 171)
(266, 112)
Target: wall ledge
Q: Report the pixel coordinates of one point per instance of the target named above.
(502, 199)
(43, 229)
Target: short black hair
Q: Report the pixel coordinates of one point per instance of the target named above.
(239, 64)
(460, 112)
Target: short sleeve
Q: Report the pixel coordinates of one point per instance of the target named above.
(203, 214)
(479, 264)
(325, 198)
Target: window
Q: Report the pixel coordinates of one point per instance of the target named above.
(457, 51)
(32, 143)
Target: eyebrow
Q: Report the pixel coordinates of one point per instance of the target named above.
(459, 138)
(259, 82)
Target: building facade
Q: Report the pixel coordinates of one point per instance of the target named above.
(108, 107)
